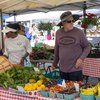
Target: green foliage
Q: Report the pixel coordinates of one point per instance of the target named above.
(87, 21)
(90, 19)
(45, 26)
(17, 76)
(41, 53)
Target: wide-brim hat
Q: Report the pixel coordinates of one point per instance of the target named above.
(11, 28)
(67, 15)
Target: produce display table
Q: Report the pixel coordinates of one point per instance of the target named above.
(91, 67)
(42, 62)
(8, 95)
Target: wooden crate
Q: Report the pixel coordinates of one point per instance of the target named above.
(4, 64)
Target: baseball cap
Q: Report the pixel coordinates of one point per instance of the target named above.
(14, 27)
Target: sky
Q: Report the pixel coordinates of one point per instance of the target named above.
(37, 16)
(54, 15)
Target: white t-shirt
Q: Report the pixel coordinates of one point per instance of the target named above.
(16, 48)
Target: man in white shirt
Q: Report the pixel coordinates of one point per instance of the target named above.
(17, 47)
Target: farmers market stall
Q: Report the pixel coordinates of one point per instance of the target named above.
(29, 83)
(5, 95)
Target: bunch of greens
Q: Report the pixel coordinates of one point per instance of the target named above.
(18, 76)
(41, 53)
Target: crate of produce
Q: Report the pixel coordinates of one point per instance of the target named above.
(97, 97)
(4, 64)
(53, 75)
(44, 93)
(52, 95)
(60, 96)
(69, 96)
(88, 91)
(87, 97)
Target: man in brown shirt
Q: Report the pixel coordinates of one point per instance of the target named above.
(71, 48)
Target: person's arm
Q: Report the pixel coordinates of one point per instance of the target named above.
(27, 47)
(25, 55)
(86, 49)
(85, 45)
(56, 54)
(5, 54)
(28, 50)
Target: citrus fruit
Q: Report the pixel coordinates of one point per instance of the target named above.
(42, 86)
(39, 82)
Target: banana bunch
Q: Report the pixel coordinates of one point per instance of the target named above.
(89, 91)
(98, 86)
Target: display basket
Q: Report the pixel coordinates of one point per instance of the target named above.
(4, 64)
(44, 93)
(71, 96)
(52, 95)
(60, 96)
(97, 97)
(87, 97)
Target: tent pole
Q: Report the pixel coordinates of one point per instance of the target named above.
(14, 14)
(14, 18)
(84, 12)
(1, 34)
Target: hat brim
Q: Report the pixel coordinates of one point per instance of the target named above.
(8, 30)
(76, 17)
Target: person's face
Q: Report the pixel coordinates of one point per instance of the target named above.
(68, 24)
(9, 34)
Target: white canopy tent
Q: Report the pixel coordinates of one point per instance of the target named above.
(21, 6)
(25, 6)
(16, 7)
(9, 6)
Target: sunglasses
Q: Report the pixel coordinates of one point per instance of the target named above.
(69, 21)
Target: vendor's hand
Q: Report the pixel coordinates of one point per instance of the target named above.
(53, 67)
(22, 62)
(5, 56)
(78, 63)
